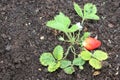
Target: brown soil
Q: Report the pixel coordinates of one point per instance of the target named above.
(22, 24)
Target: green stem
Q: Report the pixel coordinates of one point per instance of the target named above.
(67, 52)
(73, 34)
(73, 51)
(68, 35)
(72, 38)
(78, 36)
(82, 23)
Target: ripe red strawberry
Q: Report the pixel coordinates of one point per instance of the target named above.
(91, 43)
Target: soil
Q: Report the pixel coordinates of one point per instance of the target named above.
(24, 36)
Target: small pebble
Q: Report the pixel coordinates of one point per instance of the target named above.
(8, 47)
(34, 32)
(40, 18)
(117, 73)
(39, 69)
(37, 10)
(42, 37)
(1, 62)
(9, 37)
(117, 68)
(109, 41)
(110, 25)
(27, 24)
(96, 73)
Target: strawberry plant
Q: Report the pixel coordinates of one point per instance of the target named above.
(58, 58)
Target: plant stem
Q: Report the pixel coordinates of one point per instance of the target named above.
(82, 23)
(67, 52)
(73, 34)
(73, 51)
(78, 35)
(68, 35)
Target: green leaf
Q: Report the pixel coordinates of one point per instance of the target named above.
(100, 55)
(61, 18)
(95, 17)
(90, 11)
(46, 59)
(78, 9)
(95, 63)
(73, 28)
(92, 16)
(53, 66)
(65, 63)
(58, 52)
(60, 22)
(85, 35)
(85, 55)
(90, 8)
(78, 61)
(56, 25)
(81, 67)
(69, 70)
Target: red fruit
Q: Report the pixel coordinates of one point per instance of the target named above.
(91, 43)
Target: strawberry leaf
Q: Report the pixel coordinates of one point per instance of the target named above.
(53, 66)
(100, 55)
(95, 63)
(46, 59)
(85, 55)
(73, 28)
(65, 63)
(85, 35)
(69, 70)
(92, 16)
(60, 22)
(78, 10)
(78, 61)
(58, 52)
(90, 11)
